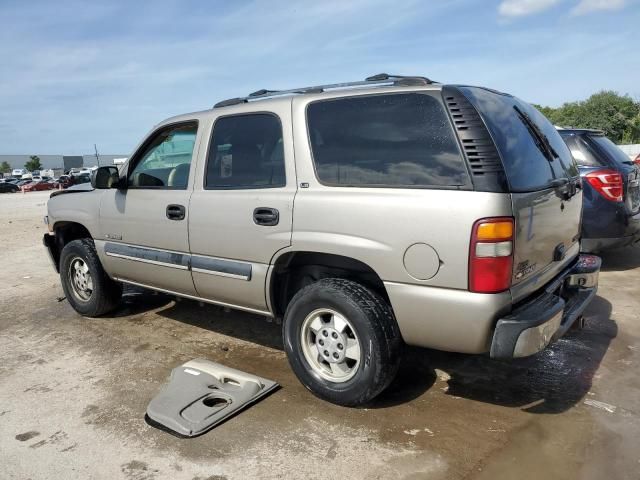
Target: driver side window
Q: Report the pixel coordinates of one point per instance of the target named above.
(165, 161)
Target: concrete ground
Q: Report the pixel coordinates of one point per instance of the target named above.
(73, 391)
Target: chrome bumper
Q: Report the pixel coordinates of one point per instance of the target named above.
(545, 318)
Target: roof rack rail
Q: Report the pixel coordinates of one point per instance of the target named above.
(379, 79)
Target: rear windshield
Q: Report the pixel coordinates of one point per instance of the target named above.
(532, 151)
(611, 149)
(396, 140)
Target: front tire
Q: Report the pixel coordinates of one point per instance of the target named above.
(86, 285)
(342, 341)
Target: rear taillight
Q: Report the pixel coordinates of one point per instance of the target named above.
(607, 183)
(491, 255)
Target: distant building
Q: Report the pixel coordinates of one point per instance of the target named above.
(72, 161)
(57, 161)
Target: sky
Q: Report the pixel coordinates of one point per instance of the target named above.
(75, 73)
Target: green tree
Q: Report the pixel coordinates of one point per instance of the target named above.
(617, 115)
(33, 163)
(5, 168)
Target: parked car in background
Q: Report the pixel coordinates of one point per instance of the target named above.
(23, 182)
(611, 183)
(7, 187)
(18, 172)
(82, 178)
(64, 181)
(37, 186)
(434, 215)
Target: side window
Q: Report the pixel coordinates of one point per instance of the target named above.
(581, 152)
(246, 151)
(166, 159)
(394, 140)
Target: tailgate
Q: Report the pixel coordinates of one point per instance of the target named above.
(544, 185)
(547, 238)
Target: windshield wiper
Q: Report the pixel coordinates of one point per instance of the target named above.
(540, 139)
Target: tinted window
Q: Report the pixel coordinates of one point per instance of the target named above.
(165, 159)
(386, 140)
(611, 149)
(524, 159)
(246, 152)
(582, 153)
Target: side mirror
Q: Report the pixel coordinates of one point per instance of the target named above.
(105, 177)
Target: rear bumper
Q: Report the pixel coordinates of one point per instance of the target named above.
(630, 235)
(530, 327)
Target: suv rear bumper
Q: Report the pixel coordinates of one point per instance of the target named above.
(530, 327)
(630, 235)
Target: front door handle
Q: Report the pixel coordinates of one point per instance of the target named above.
(266, 216)
(176, 212)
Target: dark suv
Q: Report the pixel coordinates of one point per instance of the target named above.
(611, 182)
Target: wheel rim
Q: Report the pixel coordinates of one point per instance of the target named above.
(330, 345)
(80, 279)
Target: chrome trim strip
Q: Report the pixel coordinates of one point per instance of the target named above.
(222, 267)
(144, 260)
(266, 313)
(220, 274)
(153, 256)
(181, 261)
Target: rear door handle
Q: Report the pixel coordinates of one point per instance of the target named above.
(176, 212)
(266, 216)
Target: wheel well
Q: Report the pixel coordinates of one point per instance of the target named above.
(66, 232)
(296, 270)
(69, 231)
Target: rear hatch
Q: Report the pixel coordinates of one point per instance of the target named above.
(621, 162)
(544, 184)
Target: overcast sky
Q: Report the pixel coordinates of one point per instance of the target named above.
(77, 73)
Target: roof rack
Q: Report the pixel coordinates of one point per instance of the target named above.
(379, 79)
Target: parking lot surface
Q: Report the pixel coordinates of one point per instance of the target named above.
(73, 391)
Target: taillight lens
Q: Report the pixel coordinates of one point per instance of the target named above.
(491, 255)
(607, 183)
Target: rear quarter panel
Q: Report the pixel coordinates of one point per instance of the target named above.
(377, 225)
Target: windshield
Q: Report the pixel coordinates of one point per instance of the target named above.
(611, 149)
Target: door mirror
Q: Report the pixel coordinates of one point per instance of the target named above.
(105, 177)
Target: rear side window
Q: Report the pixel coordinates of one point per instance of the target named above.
(246, 151)
(582, 153)
(395, 140)
(611, 149)
(525, 139)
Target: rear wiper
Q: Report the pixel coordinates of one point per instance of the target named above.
(540, 139)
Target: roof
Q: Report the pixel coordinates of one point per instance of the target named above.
(383, 79)
(373, 84)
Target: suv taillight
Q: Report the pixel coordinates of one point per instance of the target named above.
(607, 183)
(491, 255)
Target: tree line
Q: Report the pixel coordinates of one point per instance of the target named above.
(32, 164)
(617, 115)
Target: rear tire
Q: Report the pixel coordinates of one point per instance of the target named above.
(342, 341)
(86, 285)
